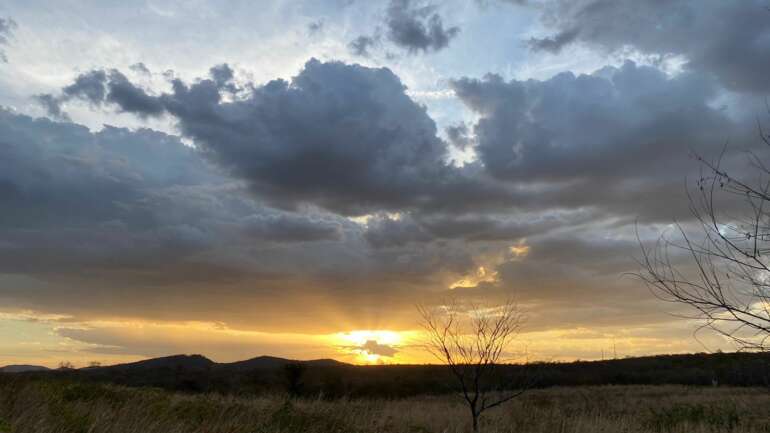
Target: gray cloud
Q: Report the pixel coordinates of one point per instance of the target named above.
(7, 26)
(315, 27)
(360, 46)
(566, 163)
(291, 228)
(119, 199)
(609, 139)
(343, 137)
(555, 43)
(729, 39)
(416, 27)
(136, 224)
(140, 68)
(52, 106)
(571, 126)
(384, 231)
(459, 136)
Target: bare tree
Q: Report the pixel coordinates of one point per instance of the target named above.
(472, 342)
(725, 279)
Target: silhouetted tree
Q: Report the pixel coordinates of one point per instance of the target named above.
(727, 282)
(472, 342)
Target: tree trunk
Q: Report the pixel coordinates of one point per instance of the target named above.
(475, 417)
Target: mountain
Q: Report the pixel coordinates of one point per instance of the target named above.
(196, 373)
(271, 363)
(176, 362)
(200, 362)
(22, 368)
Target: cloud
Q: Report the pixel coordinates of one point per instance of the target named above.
(100, 87)
(152, 339)
(728, 39)
(608, 139)
(385, 231)
(140, 68)
(52, 106)
(417, 27)
(345, 138)
(79, 202)
(136, 224)
(360, 46)
(459, 136)
(372, 347)
(315, 27)
(254, 217)
(7, 27)
(291, 228)
(555, 43)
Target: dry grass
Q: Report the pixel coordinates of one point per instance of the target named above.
(46, 406)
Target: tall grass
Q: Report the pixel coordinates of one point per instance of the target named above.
(48, 406)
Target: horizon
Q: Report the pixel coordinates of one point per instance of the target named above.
(383, 362)
(294, 177)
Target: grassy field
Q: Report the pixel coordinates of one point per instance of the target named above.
(42, 406)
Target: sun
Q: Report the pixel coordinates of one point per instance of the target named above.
(364, 345)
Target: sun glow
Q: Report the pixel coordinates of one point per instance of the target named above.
(371, 346)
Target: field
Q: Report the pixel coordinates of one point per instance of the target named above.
(46, 405)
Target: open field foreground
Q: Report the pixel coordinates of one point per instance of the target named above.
(47, 406)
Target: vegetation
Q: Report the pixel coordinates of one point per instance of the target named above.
(34, 404)
(725, 281)
(330, 381)
(192, 394)
(472, 343)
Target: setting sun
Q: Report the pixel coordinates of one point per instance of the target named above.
(373, 346)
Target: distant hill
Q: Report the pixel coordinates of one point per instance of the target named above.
(200, 362)
(186, 362)
(329, 378)
(22, 368)
(271, 362)
(196, 373)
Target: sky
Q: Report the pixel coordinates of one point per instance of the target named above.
(292, 178)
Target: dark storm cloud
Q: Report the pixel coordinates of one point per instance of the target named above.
(291, 228)
(131, 98)
(75, 201)
(555, 43)
(730, 39)
(140, 67)
(100, 87)
(416, 26)
(88, 86)
(343, 137)
(315, 27)
(348, 139)
(609, 139)
(571, 155)
(144, 212)
(7, 26)
(360, 46)
(611, 123)
(52, 106)
(459, 136)
(223, 76)
(384, 231)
